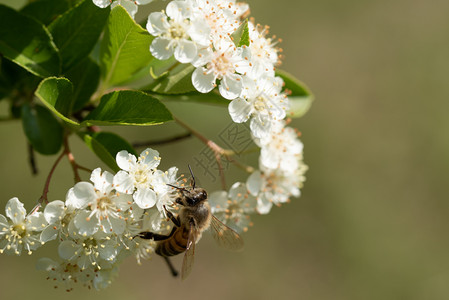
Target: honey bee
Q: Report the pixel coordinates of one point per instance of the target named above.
(194, 218)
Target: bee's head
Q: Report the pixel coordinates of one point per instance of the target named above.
(194, 196)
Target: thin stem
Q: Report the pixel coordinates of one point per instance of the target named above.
(245, 168)
(44, 197)
(162, 141)
(83, 168)
(32, 159)
(71, 159)
(218, 152)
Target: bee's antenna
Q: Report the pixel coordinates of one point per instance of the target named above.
(176, 187)
(193, 177)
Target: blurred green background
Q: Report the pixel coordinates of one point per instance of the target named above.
(372, 222)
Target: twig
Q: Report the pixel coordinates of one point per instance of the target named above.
(71, 158)
(44, 197)
(218, 152)
(162, 141)
(32, 160)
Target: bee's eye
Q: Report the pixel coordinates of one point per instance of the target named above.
(190, 201)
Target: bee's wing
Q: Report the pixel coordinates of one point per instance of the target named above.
(225, 236)
(189, 255)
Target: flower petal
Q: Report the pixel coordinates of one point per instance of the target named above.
(231, 86)
(254, 183)
(186, 51)
(157, 23)
(102, 3)
(150, 158)
(123, 182)
(264, 205)
(238, 191)
(49, 233)
(68, 250)
(81, 195)
(126, 161)
(36, 222)
(260, 126)
(123, 201)
(178, 11)
(15, 210)
(46, 264)
(109, 252)
(145, 198)
(199, 31)
(218, 201)
(130, 6)
(4, 224)
(87, 225)
(203, 81)
(161, 48)
(54, 211)
(102, 180)
(239, 110)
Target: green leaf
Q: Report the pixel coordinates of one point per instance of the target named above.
(128, 108)
(177, 81)
(77, 31)
(56, 94)
(124, 49)
(85, 77)
(213, 98)
(106, 145)
(240, 37)
(45, 11)
(300, 97)
(42, 129)
(28, 43)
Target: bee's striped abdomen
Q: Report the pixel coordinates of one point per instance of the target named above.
(175, 245)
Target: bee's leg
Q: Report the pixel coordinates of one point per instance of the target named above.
(170, 266)
(175, 220)
(148, 235)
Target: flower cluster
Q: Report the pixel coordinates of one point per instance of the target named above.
(97, 223)
(201, 32)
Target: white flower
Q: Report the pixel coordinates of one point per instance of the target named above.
(157, 221)
(173, 35)
(102, 3)
(275, 186)
(281, 148)
(233, 208)
(66, 273)
(104, 277)
(221, 63)
(95, 251)
(57, 216)
(264, 55)
(137, 176)
(166, 194)
(261, 100)
(219, 17)
(100, 206)
(143, 249)
(20, 231)
(129, 5)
